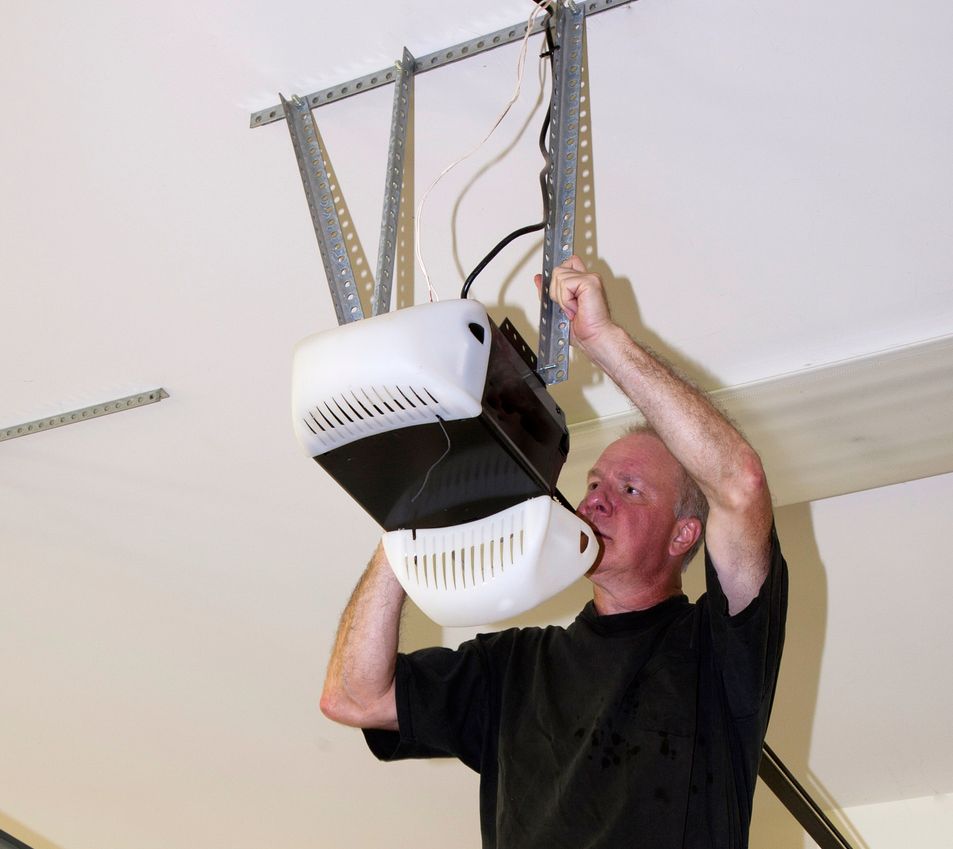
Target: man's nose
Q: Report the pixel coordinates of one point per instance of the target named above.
(595, 501)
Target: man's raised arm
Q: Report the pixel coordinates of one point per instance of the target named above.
(359, 686)
(713, 452)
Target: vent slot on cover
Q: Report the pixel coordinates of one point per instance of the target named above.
(371, 409)
(466, 566)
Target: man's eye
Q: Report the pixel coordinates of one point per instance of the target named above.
(631, 490)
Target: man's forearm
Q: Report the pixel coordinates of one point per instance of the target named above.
(359, 686)
(698, 435)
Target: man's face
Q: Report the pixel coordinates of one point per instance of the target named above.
(630, 501)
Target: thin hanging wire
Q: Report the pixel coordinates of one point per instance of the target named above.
(539, 6)
(543, 184)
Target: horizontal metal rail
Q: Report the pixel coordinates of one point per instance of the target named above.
(437, 59)
(94, 411)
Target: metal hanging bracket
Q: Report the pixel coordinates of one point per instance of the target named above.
(553, 357)
(312, 164)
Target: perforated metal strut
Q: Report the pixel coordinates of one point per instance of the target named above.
(553, 357)
(94, 411)
(327, 225)
(393, 183)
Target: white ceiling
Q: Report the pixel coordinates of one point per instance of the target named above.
(769, 194)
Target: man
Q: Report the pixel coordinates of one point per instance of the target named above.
(642, 723)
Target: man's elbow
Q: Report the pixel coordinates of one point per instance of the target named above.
(332, 706)
(339, 707)
(749, 491)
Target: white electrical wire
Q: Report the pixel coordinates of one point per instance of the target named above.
(538, 7)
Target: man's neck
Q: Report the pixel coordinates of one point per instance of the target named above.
(607, 602)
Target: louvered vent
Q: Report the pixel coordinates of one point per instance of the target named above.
(361, 412)
(467, 566)
(391, 371)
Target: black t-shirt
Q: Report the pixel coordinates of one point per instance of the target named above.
(639, 729)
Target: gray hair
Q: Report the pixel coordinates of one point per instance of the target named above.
(691, 501)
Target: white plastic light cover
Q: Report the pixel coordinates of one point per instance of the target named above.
(493, 568)
(393, 370)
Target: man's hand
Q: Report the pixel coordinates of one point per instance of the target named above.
(582, 296)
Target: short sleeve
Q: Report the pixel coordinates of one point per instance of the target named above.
(747, 646)
(441, 707)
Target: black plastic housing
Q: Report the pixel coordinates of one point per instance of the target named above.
(450, 472)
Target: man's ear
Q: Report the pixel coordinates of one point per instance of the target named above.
(687, 532)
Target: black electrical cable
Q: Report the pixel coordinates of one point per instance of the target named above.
(522, 231)
(543, 176)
